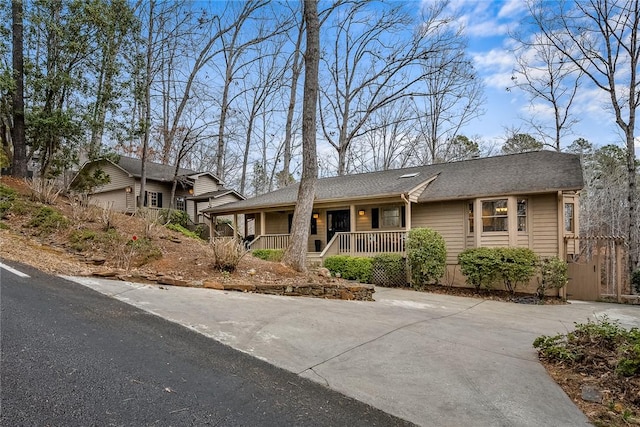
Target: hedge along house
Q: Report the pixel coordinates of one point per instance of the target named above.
(195, 191)
(519, 200)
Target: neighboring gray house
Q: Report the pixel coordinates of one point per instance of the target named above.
(195, 191)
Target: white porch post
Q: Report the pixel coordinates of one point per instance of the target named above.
(407, 213)
(352, 227)
(512, 221)
(263, 226)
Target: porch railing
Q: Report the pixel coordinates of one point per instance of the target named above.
(270, 241)
(359, 243)
(370, 243)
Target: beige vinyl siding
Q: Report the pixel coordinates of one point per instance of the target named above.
(544, 224)
(116, 200)
(469, 241)
(204, 184)
(229, 198)
(495, 239)
(157, 187)
(523, 240)
(118, 179)
(448, 219)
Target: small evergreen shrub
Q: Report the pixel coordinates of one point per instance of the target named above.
(426, 256)
(174, 217)
(517, 266)
(7, 198)
(553, 275)
(635, 280)
(350, 268)
(181, 229)
(48, 220)
(274, 255)
(480, 266)
(389, 270)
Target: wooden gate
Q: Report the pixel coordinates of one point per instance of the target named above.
(596, 273)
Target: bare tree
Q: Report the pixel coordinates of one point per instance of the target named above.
(600, 37)
(545, 76)
(374, 62)
(454, 98)
(295, 255)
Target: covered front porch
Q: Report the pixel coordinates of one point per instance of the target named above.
(363, 229)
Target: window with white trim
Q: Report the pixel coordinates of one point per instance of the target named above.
(569, 217)
(181, 204)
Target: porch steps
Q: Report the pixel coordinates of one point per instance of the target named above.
(314, 259)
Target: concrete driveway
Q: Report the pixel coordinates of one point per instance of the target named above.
(431, 359)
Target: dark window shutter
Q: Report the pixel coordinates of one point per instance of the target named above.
(159, 200)
(314, 225)
(403, 216)
(145, 198)
(375, 218)
(290, 222)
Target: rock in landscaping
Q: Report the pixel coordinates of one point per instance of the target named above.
(324, 272)
(591, 393)
(172, 282)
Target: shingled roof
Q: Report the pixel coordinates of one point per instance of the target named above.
(525, 173)
(155, 171)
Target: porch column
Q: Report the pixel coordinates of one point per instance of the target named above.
(407, 213)
(477, 222)
(263, 226)
(562, 249)
(235, 226)
(352, 227)
(512, 221)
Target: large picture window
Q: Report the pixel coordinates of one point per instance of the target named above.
(494, 215)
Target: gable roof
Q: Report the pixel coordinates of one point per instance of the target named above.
(524, 173)
(216, 195)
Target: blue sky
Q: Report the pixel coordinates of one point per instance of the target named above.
(487, 25)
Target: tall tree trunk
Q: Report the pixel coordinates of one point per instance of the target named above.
(17, 131)
(147, 107)
(296, 254)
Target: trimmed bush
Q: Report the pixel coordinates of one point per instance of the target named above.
(389, 270)
(554, 274)
(350, 268)
(274, 255)
(426, 255)
(480, 266)
(517, 266)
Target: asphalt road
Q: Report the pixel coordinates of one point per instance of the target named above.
(71, 356)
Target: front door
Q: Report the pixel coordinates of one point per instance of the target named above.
(338, 221)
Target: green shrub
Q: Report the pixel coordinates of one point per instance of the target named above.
(553, 275)
(517, 266)
(175, 217)
(635, 280)
(610, 341)
(179, 228)
(480, 266)
(350, 268)
(48, 220)
(80, 240)
(269, 254)
(389, 270)
(426, 255)
(7, 198)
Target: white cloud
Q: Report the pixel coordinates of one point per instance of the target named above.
(512, 9)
